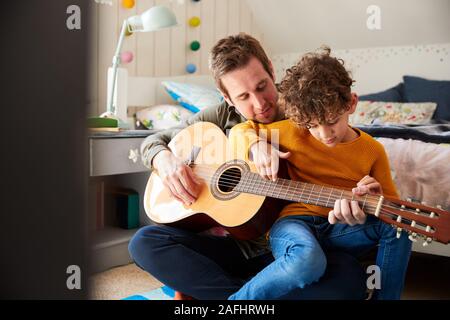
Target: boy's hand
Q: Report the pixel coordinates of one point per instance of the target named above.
(350, 212)
(368, 185)
(346, 212)
(266, 159)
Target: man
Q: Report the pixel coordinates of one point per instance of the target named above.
(211, 267)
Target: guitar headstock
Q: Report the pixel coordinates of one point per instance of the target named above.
(420, 220)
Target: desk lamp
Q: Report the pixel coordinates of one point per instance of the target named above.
(155, 18)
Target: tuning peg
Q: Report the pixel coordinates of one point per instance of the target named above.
(413, 237)
(399, 230)
(399, 233)
(427, 242)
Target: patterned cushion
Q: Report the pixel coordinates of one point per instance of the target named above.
(372, 112)
(162, 116)
(193, 97)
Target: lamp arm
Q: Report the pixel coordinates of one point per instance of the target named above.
(116, 61)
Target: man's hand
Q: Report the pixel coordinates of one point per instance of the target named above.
(266, 159)
(177, 177)
(350, 212)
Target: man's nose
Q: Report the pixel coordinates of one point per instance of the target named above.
(258, 103)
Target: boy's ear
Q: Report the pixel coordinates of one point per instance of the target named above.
(353, 103)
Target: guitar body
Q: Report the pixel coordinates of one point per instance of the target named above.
(245, 216)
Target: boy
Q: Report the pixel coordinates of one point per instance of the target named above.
(325, 150)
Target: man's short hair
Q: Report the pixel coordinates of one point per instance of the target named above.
(234, 52)
(318, 88)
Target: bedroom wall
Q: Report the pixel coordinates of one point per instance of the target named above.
(413, 38)
(379, 68)
(299, 25)
(166, 52)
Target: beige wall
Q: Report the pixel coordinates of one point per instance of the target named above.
(304, 25)
(166, 52)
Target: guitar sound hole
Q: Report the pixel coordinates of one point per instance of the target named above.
(229, 179)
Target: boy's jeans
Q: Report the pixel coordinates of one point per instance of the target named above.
(297, 243)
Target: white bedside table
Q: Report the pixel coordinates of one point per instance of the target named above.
(114, 159)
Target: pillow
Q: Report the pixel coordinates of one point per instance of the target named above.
(193, 97)
(162, 116)
(394, 94)
(423, 90)
(368, 112)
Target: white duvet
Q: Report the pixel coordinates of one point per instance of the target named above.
(421, 170)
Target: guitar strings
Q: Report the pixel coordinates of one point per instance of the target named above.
(321, 197)
(235, 179)
(406, 222)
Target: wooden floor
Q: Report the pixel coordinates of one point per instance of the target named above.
(428, 277)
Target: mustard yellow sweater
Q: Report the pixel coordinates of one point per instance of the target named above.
(342, 166)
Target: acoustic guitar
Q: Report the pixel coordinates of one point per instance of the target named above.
(234, 196)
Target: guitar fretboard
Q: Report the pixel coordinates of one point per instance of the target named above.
(303, 192)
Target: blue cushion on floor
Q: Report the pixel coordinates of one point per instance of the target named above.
(163, 293)
(135, 297)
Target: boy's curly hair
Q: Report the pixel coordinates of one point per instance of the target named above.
(316, 88)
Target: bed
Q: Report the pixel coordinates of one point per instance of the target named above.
(419, 157)
(418, 150)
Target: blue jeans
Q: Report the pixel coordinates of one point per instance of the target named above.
(298, 244)
(209, 267)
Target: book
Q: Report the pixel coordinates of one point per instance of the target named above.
(123, 207)
(100, 122)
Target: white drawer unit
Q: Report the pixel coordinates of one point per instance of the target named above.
(110, 156)
(114, 160)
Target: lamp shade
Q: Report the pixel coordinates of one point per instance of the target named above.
(153, 19)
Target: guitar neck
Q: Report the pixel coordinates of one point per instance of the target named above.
(303, 192)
